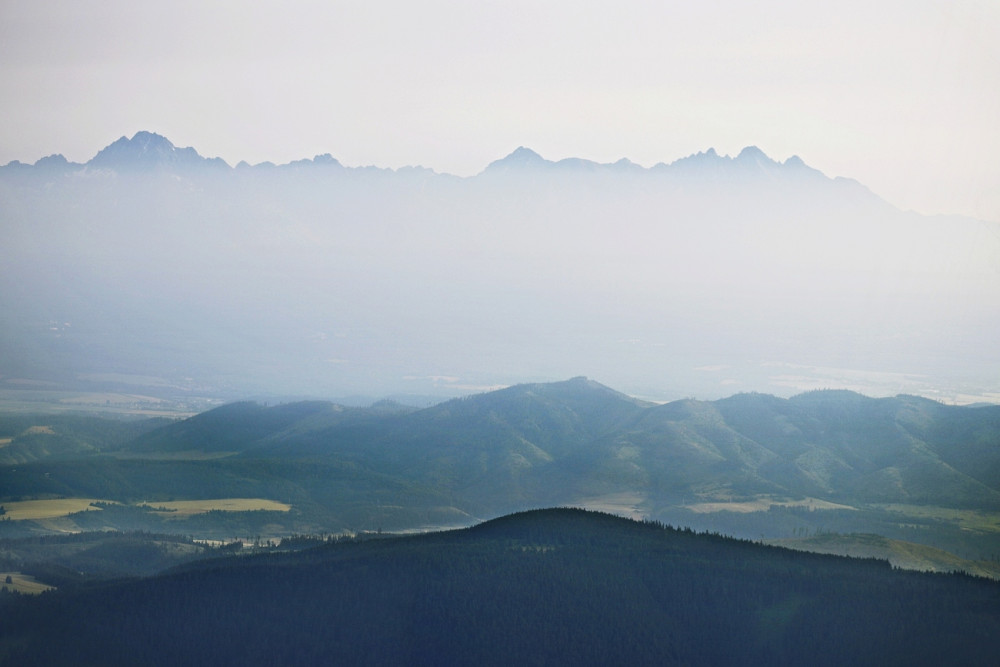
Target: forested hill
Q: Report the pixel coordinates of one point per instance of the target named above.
(560, 442)
(542, 587)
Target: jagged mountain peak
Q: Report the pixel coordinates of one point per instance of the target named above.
(56, 162)
(147, 150)
(521, 158)
(151, 140)
(143, 143)
(524, 154)
(750, 156)
(753, 154)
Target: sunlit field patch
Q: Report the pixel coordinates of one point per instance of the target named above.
(22, 583)
(189, 507)
(48, 509)
(36, 510)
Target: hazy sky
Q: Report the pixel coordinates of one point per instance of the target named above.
(901, 95)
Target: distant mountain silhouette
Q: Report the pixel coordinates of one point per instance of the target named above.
(147, 150)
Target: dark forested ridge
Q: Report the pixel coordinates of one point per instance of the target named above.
(542, 587)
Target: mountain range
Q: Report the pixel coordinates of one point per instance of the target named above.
(148, 150)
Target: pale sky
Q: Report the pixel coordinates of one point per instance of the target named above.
(902, 95)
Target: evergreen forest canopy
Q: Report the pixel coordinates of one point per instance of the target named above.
(543, 587)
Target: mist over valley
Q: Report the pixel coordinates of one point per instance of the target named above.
(153, 270)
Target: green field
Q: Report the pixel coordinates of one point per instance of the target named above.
(184, 455)
(984, 522)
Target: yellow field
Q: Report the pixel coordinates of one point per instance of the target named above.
(5, 441)
(55, 508)
(189, 507)
(48, 509)
(22, 583)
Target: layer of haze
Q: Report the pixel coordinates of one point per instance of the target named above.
(154, 268)
(901, 95)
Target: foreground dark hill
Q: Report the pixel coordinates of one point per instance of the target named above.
(544, 587)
